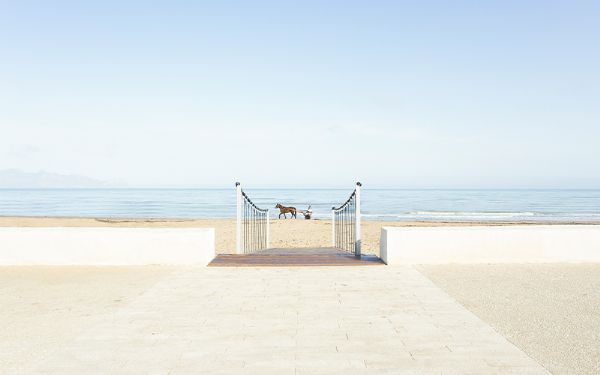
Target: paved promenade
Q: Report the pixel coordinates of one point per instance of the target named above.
(326, 320)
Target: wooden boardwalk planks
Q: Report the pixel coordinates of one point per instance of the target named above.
(298, 257)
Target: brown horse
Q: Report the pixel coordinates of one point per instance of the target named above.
(284, 210)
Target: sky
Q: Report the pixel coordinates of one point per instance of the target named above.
(427, 94)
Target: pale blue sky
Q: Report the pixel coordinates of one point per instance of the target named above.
(397, 94)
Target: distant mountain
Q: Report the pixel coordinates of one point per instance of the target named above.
(14, 178)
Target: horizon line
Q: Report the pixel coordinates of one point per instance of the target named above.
(288, 188)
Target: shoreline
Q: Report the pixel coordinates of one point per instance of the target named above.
(37, 220)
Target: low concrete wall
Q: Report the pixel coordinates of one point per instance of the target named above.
(490, 244)
(106, 246)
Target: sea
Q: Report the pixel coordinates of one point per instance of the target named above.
(377, 204)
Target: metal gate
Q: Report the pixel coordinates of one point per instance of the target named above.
(345, 221)
(252, 224)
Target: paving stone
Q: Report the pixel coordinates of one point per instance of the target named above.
(326, 320)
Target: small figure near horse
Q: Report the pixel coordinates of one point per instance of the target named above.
(308, 213)
(284, 210)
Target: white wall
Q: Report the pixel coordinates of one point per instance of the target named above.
(490, 244)
(106, 246)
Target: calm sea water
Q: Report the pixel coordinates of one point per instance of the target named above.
(446, 205)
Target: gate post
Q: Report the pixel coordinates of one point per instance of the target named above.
(268, 230)
(358, 243)
(333, 226)
(238, 223)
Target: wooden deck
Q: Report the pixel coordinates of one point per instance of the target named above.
(297, 257)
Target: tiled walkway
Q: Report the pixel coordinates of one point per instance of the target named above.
(325, 320)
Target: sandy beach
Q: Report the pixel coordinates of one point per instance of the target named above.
(284, 233)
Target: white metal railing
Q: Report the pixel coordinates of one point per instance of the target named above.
(345, 222)
(252, 224)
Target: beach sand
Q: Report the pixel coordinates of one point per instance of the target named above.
(284, 233)
(551, 311)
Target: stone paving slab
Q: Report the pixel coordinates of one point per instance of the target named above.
(327, 320)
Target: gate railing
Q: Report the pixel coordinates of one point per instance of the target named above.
(252, 224)
(345, 222)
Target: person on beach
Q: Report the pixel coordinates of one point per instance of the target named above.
(308, 213)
